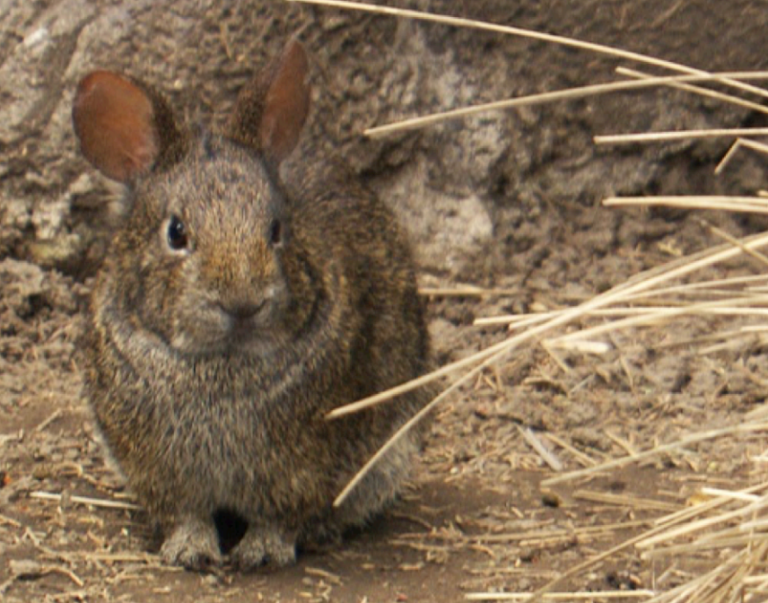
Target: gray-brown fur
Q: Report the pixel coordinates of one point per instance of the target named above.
(205, 411)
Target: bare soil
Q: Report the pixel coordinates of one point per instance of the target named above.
(512, 204)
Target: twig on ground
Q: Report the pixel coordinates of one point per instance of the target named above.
(84, 500)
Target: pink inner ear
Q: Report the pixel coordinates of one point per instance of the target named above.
(114, 121)
(286, 104)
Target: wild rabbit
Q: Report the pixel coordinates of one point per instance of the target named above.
(231, 315)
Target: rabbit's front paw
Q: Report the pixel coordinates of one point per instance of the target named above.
(193, 544)
(262, 544)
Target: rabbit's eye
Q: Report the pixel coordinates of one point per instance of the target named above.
(177, 234)
(275, 232)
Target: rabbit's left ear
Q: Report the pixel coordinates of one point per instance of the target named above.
(271, 111)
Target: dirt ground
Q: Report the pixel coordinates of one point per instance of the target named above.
(509, 202)
(474, 519)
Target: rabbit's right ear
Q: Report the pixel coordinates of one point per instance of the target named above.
(124, 129)
(270, 112)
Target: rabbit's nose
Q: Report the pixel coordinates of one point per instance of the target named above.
(242, 310)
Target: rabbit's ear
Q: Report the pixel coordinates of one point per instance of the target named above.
(271, 111)
(124, 129)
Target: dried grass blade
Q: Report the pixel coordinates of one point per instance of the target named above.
(549, 97)
(733, 100)
(691, 439)
(526, 33)
(722, 202)
(636, 137)
(739, 143)
(84, 500)
(571, 596)
(546, 455)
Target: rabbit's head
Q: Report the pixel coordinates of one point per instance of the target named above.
(204, 257)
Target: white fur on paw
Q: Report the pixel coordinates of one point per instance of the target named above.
(260, 546)
(192, 545)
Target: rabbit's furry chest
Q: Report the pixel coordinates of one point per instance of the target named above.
(216, 432)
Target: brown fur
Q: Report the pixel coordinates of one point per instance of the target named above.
(210, 368)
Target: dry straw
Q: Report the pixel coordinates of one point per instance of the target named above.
(731, 522)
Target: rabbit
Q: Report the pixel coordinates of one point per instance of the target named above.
(233, 311)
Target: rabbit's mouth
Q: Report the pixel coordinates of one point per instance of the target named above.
(251, 324)
(245, 332)
(247, 335)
